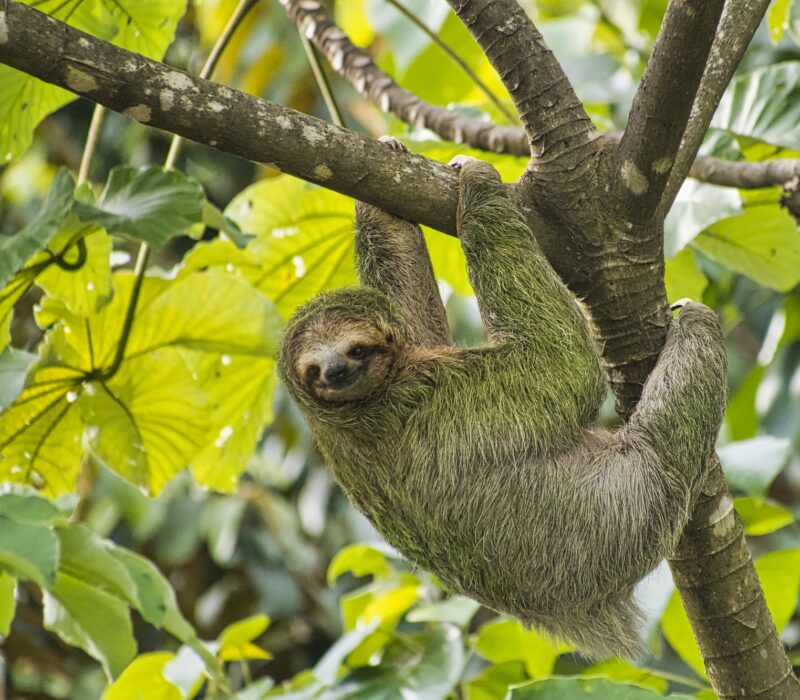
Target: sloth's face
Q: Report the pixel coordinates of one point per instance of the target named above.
(346, 363)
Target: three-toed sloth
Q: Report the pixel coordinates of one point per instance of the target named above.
(485, 466)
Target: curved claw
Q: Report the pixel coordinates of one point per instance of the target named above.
(680, 304)
(393, 143)
(458, 161)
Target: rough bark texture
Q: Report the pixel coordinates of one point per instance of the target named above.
(613, 262)
(357, 67)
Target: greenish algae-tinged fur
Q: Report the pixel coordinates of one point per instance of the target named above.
(485, 466)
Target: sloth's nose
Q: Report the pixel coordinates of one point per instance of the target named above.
(335, 371)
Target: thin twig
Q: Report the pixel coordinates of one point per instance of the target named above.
(460, 62)
(322, 81)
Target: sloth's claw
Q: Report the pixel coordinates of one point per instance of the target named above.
(393, 143)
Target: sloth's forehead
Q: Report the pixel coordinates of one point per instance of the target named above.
(323, 338)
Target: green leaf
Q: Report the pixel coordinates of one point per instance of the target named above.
(752, 465)
(697, 206)
(682, 277)
(14, 366)
(86, 557)
(146, 26)
(359, 560)
(765, 105)
(741, 416)
(328, 667)
(150, 205)
(29, 551)
(760, 517)
(8, 602)
(144, 679)
(214, 218)
(780, 578)
(214, 312)
(304, 239)
(494, 682)
(84, 289)
(17, 249)
(93, 620)
(240, 391)
(620, 670)
(576, 688)
(678, 632)
(24, 102)
(457, 610)
(507, 640)
(432, 676)
(778, 19)
(40, 433)
(27, 508)
(243, 631)
(149, 420)
(763, 243)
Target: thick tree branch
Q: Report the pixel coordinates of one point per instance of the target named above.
(550, 111)
(357, 67)
(739, 23)
(662, 106)
(411, 186)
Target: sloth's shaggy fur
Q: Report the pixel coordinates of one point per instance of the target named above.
(485, 465)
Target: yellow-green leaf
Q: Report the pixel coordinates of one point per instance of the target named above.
(760, 516)
(778, 19)
(40, 433)
(144, 679)
(360, 560)
(502, 641)
(683, 278)
(236, 640)
(85, 288)
(240, 392)
(763, 243)
(304, 238)
(8, 601)
(780, 578)
(149, 420)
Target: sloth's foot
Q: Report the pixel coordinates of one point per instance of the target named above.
(393, 143)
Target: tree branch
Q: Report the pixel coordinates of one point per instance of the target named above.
(357, 67)
(739, 23)
(662, 106)
(408, 185)
(550, 111)
(744, 175)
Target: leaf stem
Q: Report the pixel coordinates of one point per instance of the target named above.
(322, 80)
(91, 141)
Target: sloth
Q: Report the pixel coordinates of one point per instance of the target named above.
(486, 466)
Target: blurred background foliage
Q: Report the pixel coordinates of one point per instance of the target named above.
(264, 554)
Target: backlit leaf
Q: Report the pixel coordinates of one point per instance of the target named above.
(760, 517)
(763, 243)
(150, 205)
(144, 679)
(15, 250)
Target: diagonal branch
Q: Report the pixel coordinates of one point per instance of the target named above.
(550, 111)
(662, 106)
(736, 29)
(357, 67)
(411, 186)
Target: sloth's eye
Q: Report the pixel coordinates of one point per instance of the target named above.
(312, 373)
(389, 338)
(357, 352)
